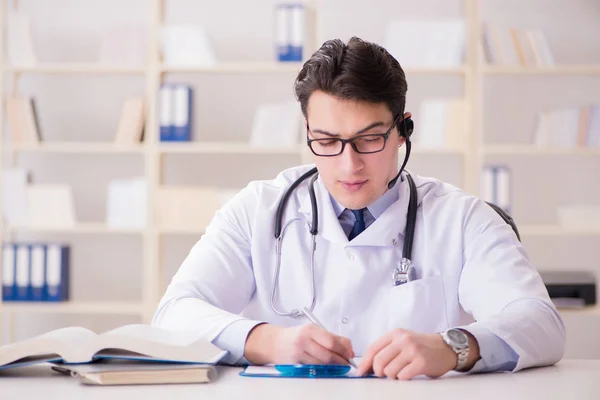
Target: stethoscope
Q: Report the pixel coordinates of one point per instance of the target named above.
(401, 274)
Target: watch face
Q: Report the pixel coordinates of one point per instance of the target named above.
(458, 337)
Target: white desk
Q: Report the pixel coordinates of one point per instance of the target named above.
(568, 380)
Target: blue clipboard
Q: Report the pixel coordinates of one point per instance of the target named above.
(302, 371)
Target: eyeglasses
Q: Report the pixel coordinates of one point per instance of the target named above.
(363, 144)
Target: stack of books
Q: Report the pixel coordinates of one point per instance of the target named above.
(568, 127)
(131, 354)
(516, 47)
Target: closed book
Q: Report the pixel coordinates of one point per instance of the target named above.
(139, 342)
(125, 372)
(131, 124)
(23, 120)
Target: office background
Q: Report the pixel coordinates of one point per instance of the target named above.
(117, 275)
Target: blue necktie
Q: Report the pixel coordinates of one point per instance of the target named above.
(359, 224)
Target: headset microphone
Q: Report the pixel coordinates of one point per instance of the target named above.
(405, 131)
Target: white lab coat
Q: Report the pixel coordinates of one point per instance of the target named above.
(470, 267)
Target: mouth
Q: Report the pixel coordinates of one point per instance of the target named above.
(353, 186)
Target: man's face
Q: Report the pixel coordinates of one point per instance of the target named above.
(354, 180)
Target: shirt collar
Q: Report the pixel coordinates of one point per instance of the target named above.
(378, 207)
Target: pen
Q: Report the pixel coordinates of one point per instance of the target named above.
(315, 321)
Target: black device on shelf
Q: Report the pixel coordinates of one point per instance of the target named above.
(571, 288)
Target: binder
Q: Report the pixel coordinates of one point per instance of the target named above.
(503, 188)
(282, 22)
(496, 186)
(297, 31)
(289, 31)
(23, 265)
(38, 272)
(182, 113)
(487, 184)
(8, 272)
(165, 115)
(57, 273)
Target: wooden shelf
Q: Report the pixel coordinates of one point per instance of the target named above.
(556, 230)
(181, 231)
(558, 70)
(284, 67)
(224, 148)
(70, 68)
(416, 150)
(78, 148)
(436, 71)
(74, 307)
(534, 150)
(585, 311)
(80, 228)
(237, 67)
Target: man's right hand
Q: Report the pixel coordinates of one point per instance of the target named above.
(305, 344)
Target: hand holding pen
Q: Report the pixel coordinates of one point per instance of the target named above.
(303, 344)
(315, 321)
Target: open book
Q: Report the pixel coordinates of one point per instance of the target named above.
(131, 342)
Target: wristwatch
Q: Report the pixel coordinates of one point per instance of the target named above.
(458, 341)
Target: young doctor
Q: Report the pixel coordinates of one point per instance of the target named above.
(469, 301)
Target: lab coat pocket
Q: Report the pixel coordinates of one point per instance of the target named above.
(418, 305)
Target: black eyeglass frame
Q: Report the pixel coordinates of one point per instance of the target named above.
(385, 137)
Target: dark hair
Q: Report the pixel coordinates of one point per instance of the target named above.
(358, 70)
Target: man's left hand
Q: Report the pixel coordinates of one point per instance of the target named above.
(402, 354)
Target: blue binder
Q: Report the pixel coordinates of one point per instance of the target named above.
(37, 272)
(182, 113)
(290, 30)
(57, 273)
(22, 272)
(175, 115)
(165, 115)
(9, 265)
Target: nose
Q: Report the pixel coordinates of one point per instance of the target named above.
(350, 160)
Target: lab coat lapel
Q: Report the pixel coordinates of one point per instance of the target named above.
(329, 225)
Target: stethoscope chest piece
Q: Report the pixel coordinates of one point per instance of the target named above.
(404, 274)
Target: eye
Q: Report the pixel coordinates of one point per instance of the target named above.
(370, 139)
(327, 143)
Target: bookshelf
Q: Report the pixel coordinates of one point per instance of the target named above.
(74, 69)
(153, 154)
(529, 150)
(561, 70)
(76, 148)
(223, 148)
(88, 228)
(76, 307)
